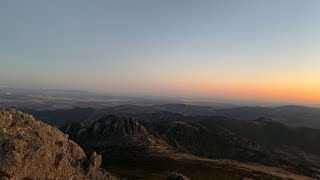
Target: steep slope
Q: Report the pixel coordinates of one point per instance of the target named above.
(31, 149)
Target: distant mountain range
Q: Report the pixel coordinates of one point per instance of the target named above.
(291, 115)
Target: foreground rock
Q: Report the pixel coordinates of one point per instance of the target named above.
(177, 176)
(30, 149)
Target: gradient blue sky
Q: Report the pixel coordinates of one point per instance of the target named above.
(236, 49)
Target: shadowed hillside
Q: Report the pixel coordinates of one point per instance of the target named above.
(130, 150)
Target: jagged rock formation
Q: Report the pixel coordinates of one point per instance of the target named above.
(30, 149)
(111, 131)
(177, 176)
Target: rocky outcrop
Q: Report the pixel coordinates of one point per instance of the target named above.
(111, 131)
(30, 149)
(177, 176)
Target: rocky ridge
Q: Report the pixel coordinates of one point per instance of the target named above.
(112, 131)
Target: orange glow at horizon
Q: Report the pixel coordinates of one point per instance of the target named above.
(301, 85)
(277, 93)
(285, 92)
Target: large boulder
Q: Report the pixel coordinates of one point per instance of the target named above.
(30, 149)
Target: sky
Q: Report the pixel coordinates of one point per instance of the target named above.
(233, 50)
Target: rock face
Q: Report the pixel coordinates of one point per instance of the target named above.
(30, 149)
(111, 131)
(177, 176)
